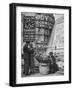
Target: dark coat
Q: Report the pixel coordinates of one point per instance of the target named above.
(53, 66)
(27, 58)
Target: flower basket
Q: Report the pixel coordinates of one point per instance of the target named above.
(43, 59)
(44, 64)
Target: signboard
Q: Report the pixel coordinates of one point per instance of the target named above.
(28, 28)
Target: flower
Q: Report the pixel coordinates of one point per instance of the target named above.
(42, 59)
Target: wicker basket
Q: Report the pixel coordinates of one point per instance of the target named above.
(44, 68)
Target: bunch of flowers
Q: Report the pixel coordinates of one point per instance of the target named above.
(43, 58)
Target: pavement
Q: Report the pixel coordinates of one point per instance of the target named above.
(58, 73)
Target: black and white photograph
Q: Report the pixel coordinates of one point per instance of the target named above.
(42, 44)
(40, 40)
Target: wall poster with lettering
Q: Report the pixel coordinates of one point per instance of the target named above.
(40, 44)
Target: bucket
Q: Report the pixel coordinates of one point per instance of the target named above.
(44, 68)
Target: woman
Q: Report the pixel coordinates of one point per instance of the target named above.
(27, 57)
(53, 65)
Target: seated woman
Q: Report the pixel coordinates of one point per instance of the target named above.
(53, 65)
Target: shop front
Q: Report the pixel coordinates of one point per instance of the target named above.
(37, 29)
